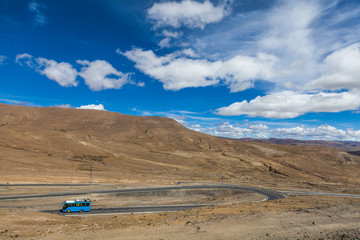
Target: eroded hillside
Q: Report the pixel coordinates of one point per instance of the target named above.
(61, 145)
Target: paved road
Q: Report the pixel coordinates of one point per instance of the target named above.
(269, 194)
(320, 194)
(47, 184)
(169, 208)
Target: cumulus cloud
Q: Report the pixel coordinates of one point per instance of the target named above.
(92, 106)
(2, 59)
(238, 72)
(170, 69)
(341, 70)
(290, 104)
(189, 13)
(39, 17)
(63, 73)
(100, 75)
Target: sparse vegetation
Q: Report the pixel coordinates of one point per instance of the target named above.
(141, 151)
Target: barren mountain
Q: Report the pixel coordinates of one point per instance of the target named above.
(62, 145)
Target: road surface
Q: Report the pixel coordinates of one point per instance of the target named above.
(127, 210)
(268, 194)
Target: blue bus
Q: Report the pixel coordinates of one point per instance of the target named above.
(79, 205)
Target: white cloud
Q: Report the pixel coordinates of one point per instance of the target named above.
(289, 30)
(259, 127)
(169, 35)
(172, 34)
(189, 13)
(289, 104)
(25, 58)
(92, 106)
(238, 73)
(64, 106)
(63, 73)
(288, 34)
(298, 33)
(2, 59)
(228, 130)
(170, 69)
(39, 17)
(165, 42)
(100, 75)
(322, 132)
(341, 70)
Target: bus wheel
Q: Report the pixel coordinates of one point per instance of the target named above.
(81, 211)
(68, 210)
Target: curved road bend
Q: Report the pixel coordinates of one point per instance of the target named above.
(269, 194)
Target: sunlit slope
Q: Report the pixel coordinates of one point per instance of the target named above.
(61, 145)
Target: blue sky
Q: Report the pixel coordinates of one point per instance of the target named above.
(231, 68)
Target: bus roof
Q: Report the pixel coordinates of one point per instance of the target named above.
(77, 200)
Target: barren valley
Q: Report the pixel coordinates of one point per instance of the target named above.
(110, 150)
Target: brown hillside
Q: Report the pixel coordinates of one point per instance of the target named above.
(61, 145)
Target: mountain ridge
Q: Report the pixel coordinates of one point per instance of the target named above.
(62, 145)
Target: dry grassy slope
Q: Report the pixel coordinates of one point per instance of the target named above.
(60, 145)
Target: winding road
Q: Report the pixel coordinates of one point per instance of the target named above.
(269, 195)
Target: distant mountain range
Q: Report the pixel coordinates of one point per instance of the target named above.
(348, 146)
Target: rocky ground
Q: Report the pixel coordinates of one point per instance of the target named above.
(295, 217)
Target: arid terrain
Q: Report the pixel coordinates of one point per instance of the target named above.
(58, 145)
